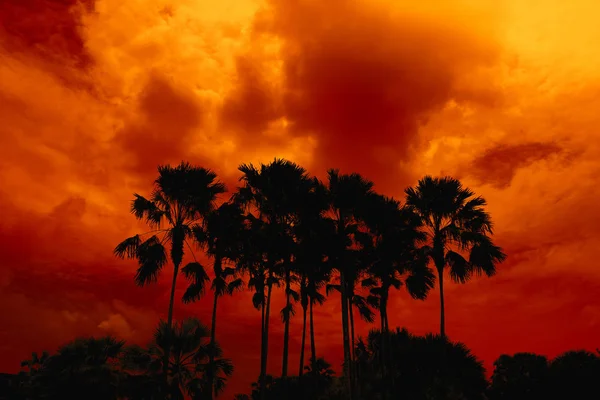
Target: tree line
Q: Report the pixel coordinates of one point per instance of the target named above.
(285, 230)
(426, 367)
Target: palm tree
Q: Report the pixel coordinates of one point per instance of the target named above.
(394, 260)
(219, 235)
(348, 200)
(188, 369)
(182, 195)
(253, 257)
(274, 192)
(314, 278)
(456, 224)
(312, 234)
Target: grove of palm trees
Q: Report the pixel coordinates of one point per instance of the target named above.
(284, 233)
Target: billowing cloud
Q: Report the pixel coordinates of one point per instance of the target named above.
(95, 94)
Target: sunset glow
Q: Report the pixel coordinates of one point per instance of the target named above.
(503, 95)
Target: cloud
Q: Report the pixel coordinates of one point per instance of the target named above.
(498, 165)
(361, 79)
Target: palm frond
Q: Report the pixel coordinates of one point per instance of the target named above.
(196, 274)
(484, 257)
(287, 312)
(128, 247)
(146, 209)
(235, 285)
(460, 269)
(332, 287)
(293, 294)
(152, 257)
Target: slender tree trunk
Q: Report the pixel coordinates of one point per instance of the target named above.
(263, 367)
(286, 329)
(313, 348)
(388, 345)
(387, 322)
(345, 334)
(211, 354)
(213, 332)
(382, 335)
(303, 345)
(351, 312)
(352, 342)
(442, 311)
(385, 357)
(167, 355)
(262, 341)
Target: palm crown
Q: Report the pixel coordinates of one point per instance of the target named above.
(458, 230)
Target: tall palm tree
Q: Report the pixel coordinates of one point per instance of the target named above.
(313, 280)
(255, 253)
(182, 196)
(188, 354)
(275, 191)
(348, 197)
(395, 260)
(458, 230)
(312, 234)
(219, 235)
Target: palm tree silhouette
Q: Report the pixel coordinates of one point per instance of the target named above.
(182, 195)
(189, 368)
(312, 234)
(348, 196)
(394, 260)
(455, 222)
(253, 258)
(219, 235)
(275, 191)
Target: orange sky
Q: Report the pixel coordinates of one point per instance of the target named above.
(502, 94)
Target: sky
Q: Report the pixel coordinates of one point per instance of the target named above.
(95, 94)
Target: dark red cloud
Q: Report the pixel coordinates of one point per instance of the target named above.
(497, 165)
(50, 28)
(358, 79)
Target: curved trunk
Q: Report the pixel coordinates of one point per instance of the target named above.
(303, 345)
(390, 366)
(286, 329)
(213, 333)
(167, 354)
(262, 343)
(382, 336)
(211, 353)
(351, 312)
(313, 349)
(442, 310)
(346, 336)
(263, 366)
(385, 344)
